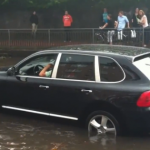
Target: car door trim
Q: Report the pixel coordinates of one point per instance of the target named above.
(21, 76)
(39, 112)
(96, 67)
(56, 66)
(97, 71)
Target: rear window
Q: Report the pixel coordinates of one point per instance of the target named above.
(110, 71)
(143, 65)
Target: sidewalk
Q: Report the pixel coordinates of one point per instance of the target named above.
(34, 45)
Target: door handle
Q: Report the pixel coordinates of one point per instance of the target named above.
(43, 86)
(83, 90)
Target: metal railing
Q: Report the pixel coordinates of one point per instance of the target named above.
(45, 38)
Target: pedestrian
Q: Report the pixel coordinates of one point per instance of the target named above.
(67, 21)
(34, 22)
(135, 18)
(137, 31)
(121, 24)
(104, 16)
(144, 22)
(122, 21)
(110, 26)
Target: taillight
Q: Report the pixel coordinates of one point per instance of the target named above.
(144, 100)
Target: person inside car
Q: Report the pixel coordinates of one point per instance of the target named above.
(47, 70)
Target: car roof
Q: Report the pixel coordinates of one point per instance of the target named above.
(129, 52)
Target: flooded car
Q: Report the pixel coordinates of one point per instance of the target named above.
(104, 87)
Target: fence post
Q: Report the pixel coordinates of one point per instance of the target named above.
(93, 36)
(143, 38)
(9, 37)
(49, 36)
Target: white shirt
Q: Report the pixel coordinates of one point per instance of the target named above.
(146, 22)
(48, 73)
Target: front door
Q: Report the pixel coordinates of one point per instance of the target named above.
(26, 90)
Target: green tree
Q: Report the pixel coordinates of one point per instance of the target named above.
(41, 4)
(31, 3)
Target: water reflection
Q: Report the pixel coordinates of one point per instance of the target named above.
(23, 133)
(103, 139)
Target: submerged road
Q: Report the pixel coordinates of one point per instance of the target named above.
(32, 132)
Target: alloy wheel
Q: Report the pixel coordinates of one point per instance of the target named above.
(101, 124)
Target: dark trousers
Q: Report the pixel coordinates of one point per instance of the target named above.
(146, 35)
(67, 33)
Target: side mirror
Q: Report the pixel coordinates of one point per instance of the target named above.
(11, 71)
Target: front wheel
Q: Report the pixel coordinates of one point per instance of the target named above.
(101, 122)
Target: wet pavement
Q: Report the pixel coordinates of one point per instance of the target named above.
(24, 131)
(8, 61)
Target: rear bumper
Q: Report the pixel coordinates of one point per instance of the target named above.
(138, 119)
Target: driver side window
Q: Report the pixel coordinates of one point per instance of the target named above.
(33, 66)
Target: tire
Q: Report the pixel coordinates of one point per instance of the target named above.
(107, 115)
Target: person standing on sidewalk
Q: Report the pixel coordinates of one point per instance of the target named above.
(34, 21)
(144, 22)
(122, 21)
(67, 21)
(137, 28)
(110, 28)
(104, 18)
(135, 19)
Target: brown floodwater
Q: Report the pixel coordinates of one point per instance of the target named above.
(24, 131)
(9, 61)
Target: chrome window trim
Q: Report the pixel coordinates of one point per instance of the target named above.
(97, 72)
(120, 68)
(39, 112)
(54, 73)
(21, 76)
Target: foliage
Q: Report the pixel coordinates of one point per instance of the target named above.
(42, 4)
(31, 3)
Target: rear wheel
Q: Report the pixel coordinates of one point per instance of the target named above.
(102, 123)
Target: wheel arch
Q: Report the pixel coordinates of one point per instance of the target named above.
(103, 106)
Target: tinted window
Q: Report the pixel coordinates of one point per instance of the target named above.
(79, 67)
(34, 65)
(130, 74)
(109, 70)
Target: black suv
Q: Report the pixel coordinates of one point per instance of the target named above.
(108, 87)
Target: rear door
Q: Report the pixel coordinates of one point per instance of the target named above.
(75, 84)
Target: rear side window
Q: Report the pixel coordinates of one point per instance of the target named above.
(110, 71)
(77, 67)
